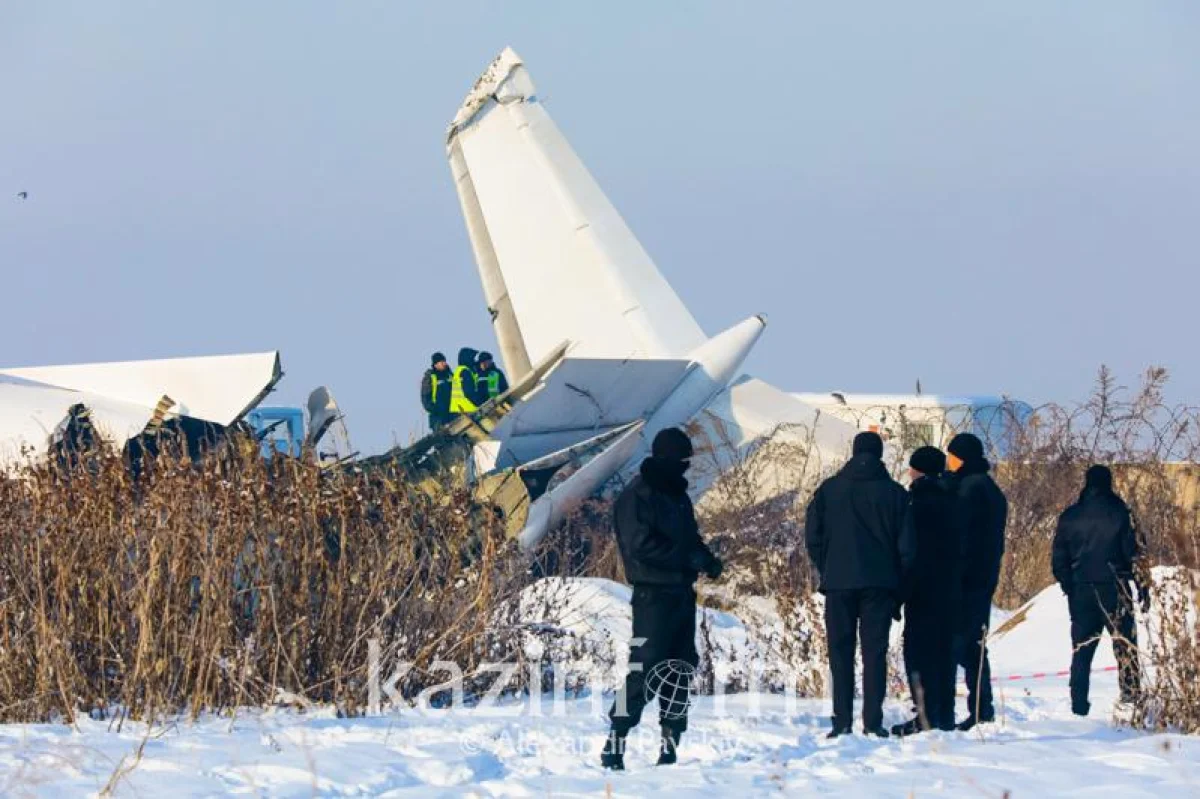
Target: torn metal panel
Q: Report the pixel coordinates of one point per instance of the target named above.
(30, 415)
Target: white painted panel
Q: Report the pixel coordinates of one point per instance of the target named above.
(572, 268)
(217, 388)
(591, 394)
(29, 415)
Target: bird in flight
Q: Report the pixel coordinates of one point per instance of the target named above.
(23, 194)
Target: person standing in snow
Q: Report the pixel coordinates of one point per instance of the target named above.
(464, 386)
(1095, 547)
(863, 546)
(492, 382)
(663, 554)
(931, 597)
(981, 514)
(435, 391)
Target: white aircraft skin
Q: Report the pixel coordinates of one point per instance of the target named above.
(122, 397)
(558, 263)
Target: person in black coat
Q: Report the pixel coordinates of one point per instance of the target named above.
(663, 555)
(435, 391)
(859, 539)
(931, 597)
(1095, 547)
(981, 514)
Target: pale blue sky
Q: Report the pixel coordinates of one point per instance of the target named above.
(995, 197)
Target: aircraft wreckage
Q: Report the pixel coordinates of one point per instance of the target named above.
(601, 351)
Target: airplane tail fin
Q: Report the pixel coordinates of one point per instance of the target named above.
(555, 258)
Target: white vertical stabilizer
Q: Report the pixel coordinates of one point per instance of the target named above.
(552, 250)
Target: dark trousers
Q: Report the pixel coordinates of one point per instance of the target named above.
(665, 618)
(929, 661)
(436, 420)
(861, 615)
(1096, 607)
(971, 653)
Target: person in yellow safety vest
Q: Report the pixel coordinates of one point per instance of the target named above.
(435, 391)
(464, 386)
(492, 382)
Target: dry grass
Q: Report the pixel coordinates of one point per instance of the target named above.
(236, 582)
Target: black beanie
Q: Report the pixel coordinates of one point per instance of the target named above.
(966, 447)
(928, 460)
(868, 443)
(484, 356)
(436, 358)
(671, 444)
(1099, 477)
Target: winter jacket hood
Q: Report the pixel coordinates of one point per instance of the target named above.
(466, 357)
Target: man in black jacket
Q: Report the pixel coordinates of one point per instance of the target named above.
(663, 554)
(931, 597)
(981, 514)
(1094, 551)
(435, 391)
(861, 543)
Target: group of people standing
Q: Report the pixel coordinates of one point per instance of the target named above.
(931, 555)
(447, 393)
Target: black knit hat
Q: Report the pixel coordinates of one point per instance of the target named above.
(484, 356)
(671, 444)
(1099, 477)
(928, 460)
(436, 358)
(966, 447)
(868, 443)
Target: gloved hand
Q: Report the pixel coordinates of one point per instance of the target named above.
(706, 563)
(1066, 589)
(896, 605)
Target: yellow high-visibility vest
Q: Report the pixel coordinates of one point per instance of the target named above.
(459, 401)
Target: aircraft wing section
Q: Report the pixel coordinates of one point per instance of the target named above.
(582, 397)
(748, 412)
(555, 257)
(218, 388)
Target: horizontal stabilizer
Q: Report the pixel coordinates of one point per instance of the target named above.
(552, 507)
(584, 396)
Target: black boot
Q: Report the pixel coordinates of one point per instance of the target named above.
(668, 749)
(1081, 708)
(838, 730)
(910, 727)
(878, 732)
(970, 721)
(613, 756)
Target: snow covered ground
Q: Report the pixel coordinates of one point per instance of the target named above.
(745, 744)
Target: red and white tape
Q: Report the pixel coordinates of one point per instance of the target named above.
(1043, 675)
